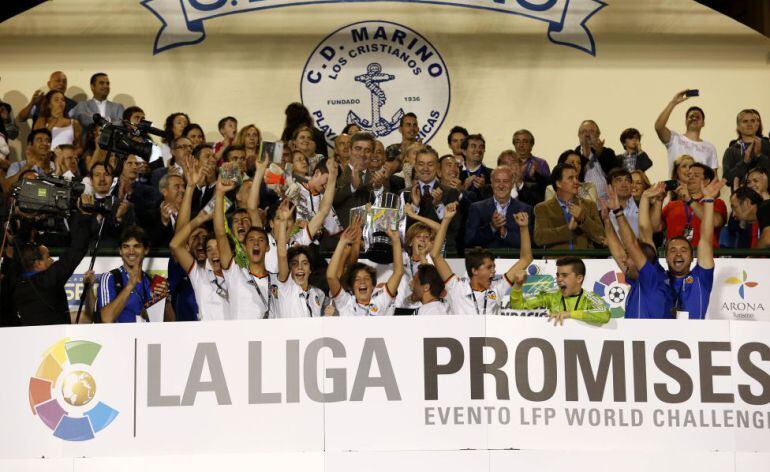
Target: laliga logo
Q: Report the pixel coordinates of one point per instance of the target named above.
(63, 375)
(612, 287)
(371, 74)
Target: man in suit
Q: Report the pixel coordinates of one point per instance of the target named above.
(357, 183)
(475, 175)
(529, 192)
(204, 154)
(428, 196)
(567, 221)
(111, 111)
(490, 222)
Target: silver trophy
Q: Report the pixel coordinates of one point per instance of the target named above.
(383, 215)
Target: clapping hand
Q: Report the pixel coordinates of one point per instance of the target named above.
(450, 210)
(437, 195)
(713, 189)
(521, 218)
(576, 210)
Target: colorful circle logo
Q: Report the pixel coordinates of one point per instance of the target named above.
(613, 288)
(63, 374)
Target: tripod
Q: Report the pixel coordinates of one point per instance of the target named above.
(87, 286)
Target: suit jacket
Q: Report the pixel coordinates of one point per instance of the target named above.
(485, 191)
(345, 198)
(533, 191)
(427, 210)
(201, 198)
(84, 112)
(479, 232)
(396, 183)
(551, 229)
(607, 159)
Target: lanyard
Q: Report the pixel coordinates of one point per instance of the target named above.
(688, 213)
(366, 308)
(254, 282)
(221, 291)
(575, 306)
(476, 306)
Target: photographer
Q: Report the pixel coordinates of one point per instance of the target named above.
(38, 291)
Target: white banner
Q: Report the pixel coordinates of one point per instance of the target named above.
(739, 291)
(384, 384)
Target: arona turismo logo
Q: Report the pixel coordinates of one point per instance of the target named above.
(742, 284)
(64, 394)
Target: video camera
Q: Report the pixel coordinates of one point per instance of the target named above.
(127, 138)
(53, 196)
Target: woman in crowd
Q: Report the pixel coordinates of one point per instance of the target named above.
(64, 130)
(639, 183)
(587, 189)
(302, 141)
(297, 115)
(681, 172)
(173, 128)
(251, 139)
(195, 134)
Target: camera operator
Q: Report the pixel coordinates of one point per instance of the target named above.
(38, 158)
(119, 212)
(38, 291)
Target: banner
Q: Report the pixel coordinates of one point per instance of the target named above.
(183, 19)
(738, 292)
(384, 384)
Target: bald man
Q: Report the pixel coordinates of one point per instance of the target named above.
(57, 81)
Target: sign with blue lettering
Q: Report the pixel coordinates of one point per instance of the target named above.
(183, 19)
(371, 73)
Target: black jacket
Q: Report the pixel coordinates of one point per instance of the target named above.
(40, 297)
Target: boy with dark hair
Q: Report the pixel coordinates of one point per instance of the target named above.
(479, 293)
(428, 287)
(569, 301)
(296, 297)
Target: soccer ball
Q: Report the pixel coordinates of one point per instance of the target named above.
(617, 294)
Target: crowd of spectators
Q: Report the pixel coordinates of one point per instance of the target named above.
(247, 221)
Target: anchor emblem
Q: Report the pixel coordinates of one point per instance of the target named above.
(378, 125)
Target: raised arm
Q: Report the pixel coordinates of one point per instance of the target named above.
(325, 207)
(398, 263)
(252, 203)
(525, 252)
(282, 239)
(617, 251)
(178, 243)
(435, 253)
(193, 176)
(332, 272)
(409, 210)
(660, 124)
(627, 235)
(706, 243)
(353, 250)
(223, 244)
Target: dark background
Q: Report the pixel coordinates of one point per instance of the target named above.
(753, 13)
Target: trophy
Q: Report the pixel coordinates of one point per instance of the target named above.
(383, 215)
